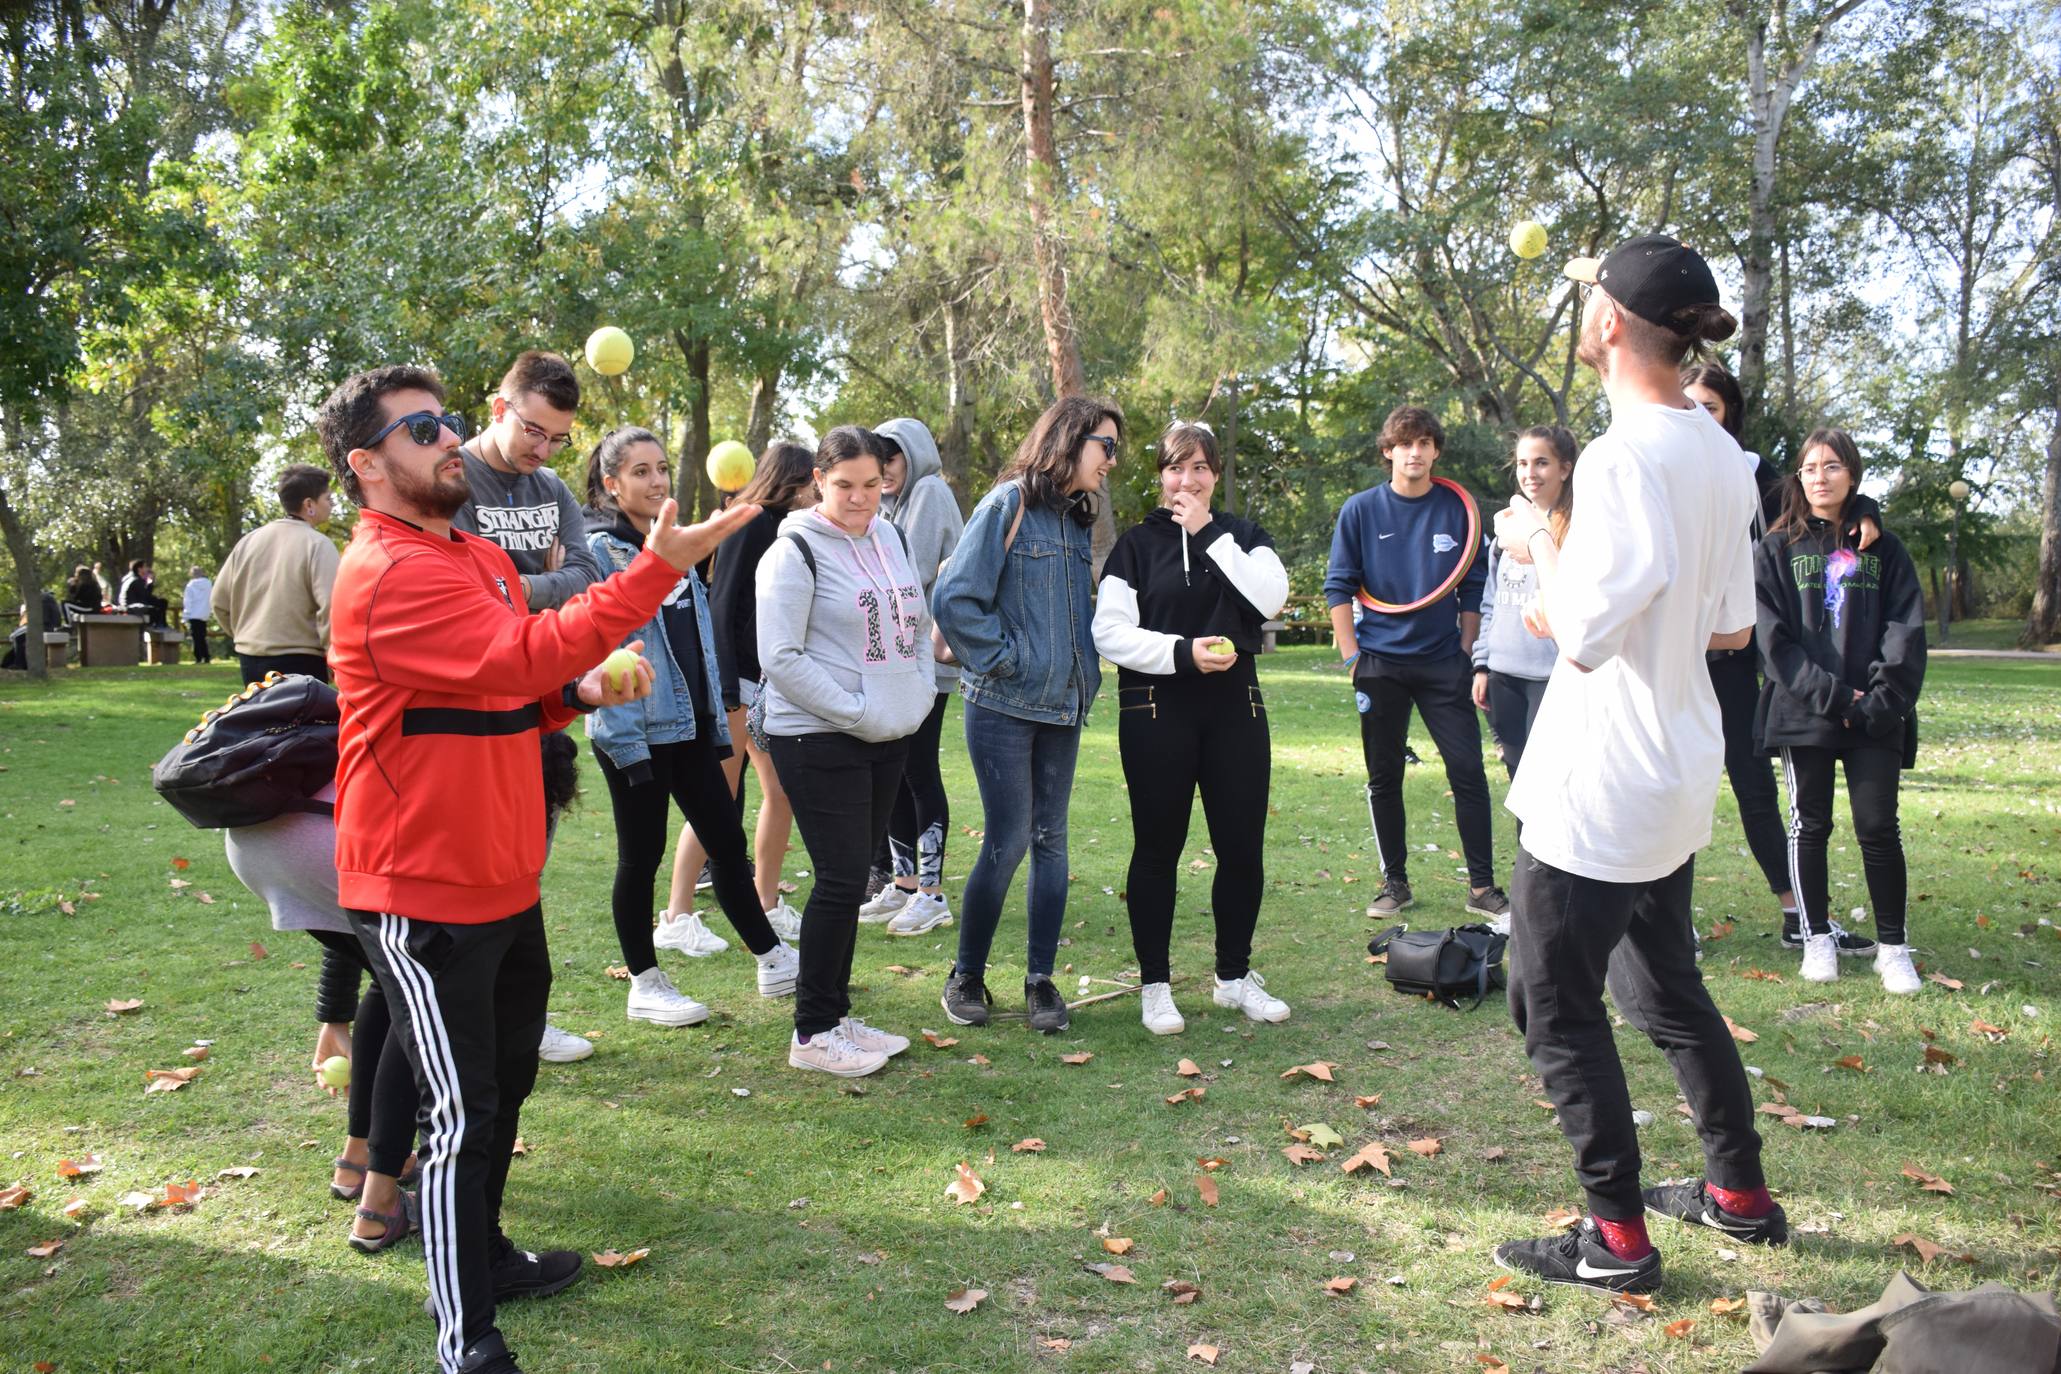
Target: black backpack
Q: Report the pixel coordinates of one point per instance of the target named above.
(1444, 965)
(261, 754)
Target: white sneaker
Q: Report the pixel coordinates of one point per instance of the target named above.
(778, 969)
(889, 900)
(1249, 995)
(562, 1046)
(653, 998)
(686, 934)
(785, 920)
(1500, 925)
(829, 1052)
(872, 1038)
(1160, 1015)
(921, 914)
(1821, 959)
(1893, 966)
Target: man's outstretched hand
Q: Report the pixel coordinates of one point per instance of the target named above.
(685, 545)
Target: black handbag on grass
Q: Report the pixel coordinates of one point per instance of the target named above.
(1444, 965)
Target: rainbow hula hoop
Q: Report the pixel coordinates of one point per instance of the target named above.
(1444, 589)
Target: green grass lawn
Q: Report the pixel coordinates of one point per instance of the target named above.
(804, 1227)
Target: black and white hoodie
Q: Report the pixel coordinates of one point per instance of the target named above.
(1164, 588)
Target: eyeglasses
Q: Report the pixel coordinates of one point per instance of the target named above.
(422, 428)
(538, 432)
(1108, 446)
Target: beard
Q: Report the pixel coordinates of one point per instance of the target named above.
(434, 498)
(1588, 347)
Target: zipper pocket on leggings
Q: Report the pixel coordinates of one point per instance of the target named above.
(1137, 699)
(1255, 701)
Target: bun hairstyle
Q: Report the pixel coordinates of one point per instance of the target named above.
(786, 470)
(1560, 439)
(1689, 330)
(846, 442)
(1796, 507)
(606, 460)
(1185, 439)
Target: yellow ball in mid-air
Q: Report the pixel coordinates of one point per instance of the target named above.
(609, 351)
(730, 465)
(1527, 238)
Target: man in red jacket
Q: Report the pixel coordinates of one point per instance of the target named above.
(446, 682)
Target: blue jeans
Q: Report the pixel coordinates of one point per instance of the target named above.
(1025, 772)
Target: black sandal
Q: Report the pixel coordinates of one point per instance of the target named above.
(400, 1224)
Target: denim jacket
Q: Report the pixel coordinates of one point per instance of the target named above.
(1018, 619)
(626, 733)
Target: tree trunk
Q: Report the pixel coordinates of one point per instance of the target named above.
(765, 401)
(1227, 446)
(2043, 625)
(955, 445)
(28, 577)
(1041, 183)
(694, 450)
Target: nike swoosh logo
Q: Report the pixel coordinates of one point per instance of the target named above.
(1717, 1224)
(1590, 1271)
(1389, 535)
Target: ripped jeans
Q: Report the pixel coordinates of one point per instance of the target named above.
(1025, 772)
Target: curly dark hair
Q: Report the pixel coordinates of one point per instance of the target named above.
(352, 414)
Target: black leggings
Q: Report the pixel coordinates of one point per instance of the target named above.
(923, 814)
(1513, 706)
(381, 1103)
(1735, 679)
(690, 775)
(1871, 786)
(1178, 735)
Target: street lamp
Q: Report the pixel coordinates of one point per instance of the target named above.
(1959, 491)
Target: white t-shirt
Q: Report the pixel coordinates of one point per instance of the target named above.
(1620, 772)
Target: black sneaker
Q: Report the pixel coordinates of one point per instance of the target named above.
(705, 879)
(876, 879)
(966, 999)
(488, 1355)
(1581, 1259)
(1410, 755)
(1393, 897)
(1046, 1007)
(1850, 945)
(1691, 1202)
(528, 1274)
(1491, 904)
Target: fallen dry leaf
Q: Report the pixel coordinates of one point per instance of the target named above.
(1319, 1069)
(1681, 1329)
(1370, 1100)
(965, 1299)
(1115, 1273)
(67, 1168)
(1739, 1032)
(1493, 1153)
(44, 1249)
(197, 1053)
(204, 899)
(1299, 1155)
(976, 1121)
(1935, 1055)
(1060, 1343)
(1491, 1365)
(182, 1194)
(942, 1042)
(1762, 975)
(1187, 1095)
(1427, 1146)
(612, 1259)
(1725, 1307)
(1118, 1245)
(1188, 1068)
(1184, 1292)
(521, 1147)
(965, 1185)
(77, 1208)
(1850, 1061)
(1319, 1134)
(1926, 1250)
(1930, 1183)
(168, 1080)
(1508, 1302)
(1206, 1187)
(1987, 1031)
(1637, 1302)
(1950, 984)
(117, 1006)
(11, 1198)
(901, 969)
(1081, 1058)
(1561, 1218)
(1029, 1146)
(182, 864)
(1340, 1286)
(1158, 1199)
(980, 1061)
(1372, 1155)
(620, 971)
(1205, 1353)
(257, 951)
(1211, 1164)
(236, 1171)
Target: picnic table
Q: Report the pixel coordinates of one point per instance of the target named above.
(110, 640)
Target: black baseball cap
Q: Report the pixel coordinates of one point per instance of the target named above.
(1653, 276)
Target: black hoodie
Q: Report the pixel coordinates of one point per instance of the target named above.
(1163, 587)
(1833, 622)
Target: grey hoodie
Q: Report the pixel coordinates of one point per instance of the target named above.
(926, 512)
(526, 515)
(1505, 644)
(849, 650)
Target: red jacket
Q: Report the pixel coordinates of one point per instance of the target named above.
(445, 681)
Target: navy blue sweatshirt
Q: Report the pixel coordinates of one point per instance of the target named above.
(1400, 548)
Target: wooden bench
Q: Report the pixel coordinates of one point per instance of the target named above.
(161, 644)
(57, 648)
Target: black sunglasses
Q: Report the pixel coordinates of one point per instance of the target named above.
(1108, 444)
(422, 428)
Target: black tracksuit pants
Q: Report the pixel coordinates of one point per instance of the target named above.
(1513, 706)
(1872, 777)
(1736, 680)
(1569, 937)
(381, 1104)
(843, 790)
(687, 774)
(468, 1006)
(1178, 735)
(1443, 692)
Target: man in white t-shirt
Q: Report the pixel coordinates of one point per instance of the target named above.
(1617, 783)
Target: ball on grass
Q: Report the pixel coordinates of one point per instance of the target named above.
(609, 351)
(1527, 238)
(730, 465)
